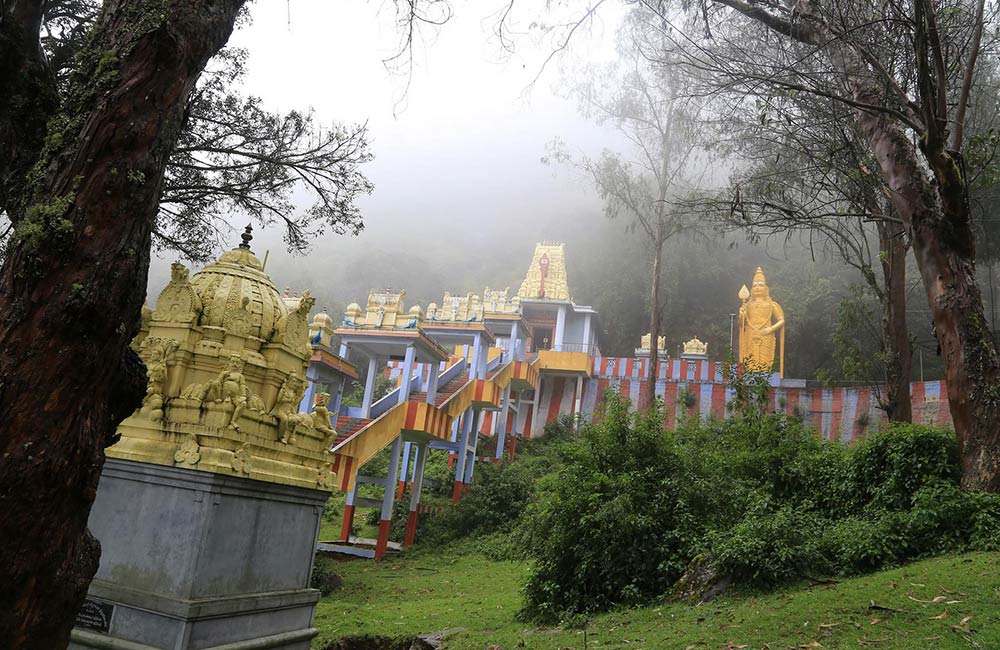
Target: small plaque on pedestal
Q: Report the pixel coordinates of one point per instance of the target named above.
(95, 615)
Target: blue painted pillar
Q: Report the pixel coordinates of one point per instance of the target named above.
(366, 403)
(468, 420)
(382, 543)
(559, 334)
(501, 422)
(407, 376)
(309, 398)
(432, 383)
(415, 490)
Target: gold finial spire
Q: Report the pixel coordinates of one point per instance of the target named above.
(247, 236)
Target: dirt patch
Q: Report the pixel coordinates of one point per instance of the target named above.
(373, 642)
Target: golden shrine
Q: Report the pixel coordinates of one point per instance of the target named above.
(384, 310)
(496, 301)
(647, 341)
(465, 309)
(226, 356)
(696, 347)
(546, 276)
(760, 317)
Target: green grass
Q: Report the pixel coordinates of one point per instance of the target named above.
(422, 593)
(427, 591)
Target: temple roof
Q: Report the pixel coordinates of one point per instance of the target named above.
(238, 295)
(546, 278)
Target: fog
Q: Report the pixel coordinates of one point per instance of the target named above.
(461, 194)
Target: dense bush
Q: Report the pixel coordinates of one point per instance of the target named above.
(611, 528)
(763, 498)
(499, 495)
(494, 501)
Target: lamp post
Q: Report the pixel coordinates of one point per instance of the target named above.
(732, 329)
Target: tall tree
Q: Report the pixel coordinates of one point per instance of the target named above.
(80, 180)
(806, 172)
(907, 70)
(232, 154)
(82, 163)
(658, 119)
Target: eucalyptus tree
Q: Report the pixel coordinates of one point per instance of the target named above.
(661, 163)
(907, 71)
(805, 174)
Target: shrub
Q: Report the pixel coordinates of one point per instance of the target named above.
(769, 545)
(609, 528)
(493, 503)
(761, 497)
(890, 466)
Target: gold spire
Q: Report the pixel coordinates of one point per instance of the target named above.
(546, 277)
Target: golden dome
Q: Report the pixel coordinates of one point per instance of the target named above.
(322, 319)
(238, 296)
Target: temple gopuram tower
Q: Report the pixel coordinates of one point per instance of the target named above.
(562, 337)
(209, 505)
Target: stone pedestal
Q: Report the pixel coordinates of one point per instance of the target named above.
(193, 560)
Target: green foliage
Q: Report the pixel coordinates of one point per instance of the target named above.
(765, 499)
(888, 468)
(494, 501)
(439, 479)
(355, 397)
(44, 225)
(611, 528)
(856, 340)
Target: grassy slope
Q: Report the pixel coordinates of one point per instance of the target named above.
(429, 592)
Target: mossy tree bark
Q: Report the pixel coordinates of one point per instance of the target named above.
(74, 279)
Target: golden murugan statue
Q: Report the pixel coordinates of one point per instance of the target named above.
(760, 318)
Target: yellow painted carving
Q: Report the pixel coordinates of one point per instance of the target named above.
(760, 318)
(695, 346)
(496, 301)
(457, 309)
(647, 339)
(286, 409)
(321, 420)
(189, 452)
(220, 347)
(383, 311)
(549, 260)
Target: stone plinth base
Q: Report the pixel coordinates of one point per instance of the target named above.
(197, 561)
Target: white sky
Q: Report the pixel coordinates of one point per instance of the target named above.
(457, 164)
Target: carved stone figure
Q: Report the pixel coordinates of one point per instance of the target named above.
(760, 317)
(156, 352)
(229, 387)
(242, 461)
(189, 452)
(233, 389)
(321, 420)
(178, 302)
(292, 329)
(286, 409)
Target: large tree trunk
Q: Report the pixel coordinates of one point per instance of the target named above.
(896, 348)
(28, 96)
(936, 211)
(71, 289)
(649, 390)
